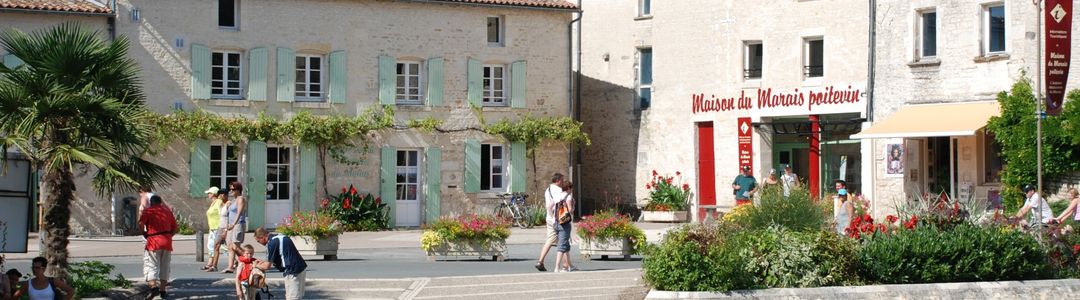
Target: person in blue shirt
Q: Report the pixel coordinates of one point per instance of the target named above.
(282, 254)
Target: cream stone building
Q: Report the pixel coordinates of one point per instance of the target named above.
(671, 86)
(240, 58)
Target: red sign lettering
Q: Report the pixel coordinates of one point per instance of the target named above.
(768, 99)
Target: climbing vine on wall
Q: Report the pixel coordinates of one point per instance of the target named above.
(1015, 131)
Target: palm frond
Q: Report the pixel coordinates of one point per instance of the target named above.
(127, 175)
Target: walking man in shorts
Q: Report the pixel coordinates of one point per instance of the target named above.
(160, 226)
(553, 194)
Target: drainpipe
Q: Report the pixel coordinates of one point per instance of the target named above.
(111, 20)
(573, 98)
(870, 56)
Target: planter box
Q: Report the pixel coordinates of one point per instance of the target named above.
(327, 247)
(470, 248)
(617, 247)
(664, 216)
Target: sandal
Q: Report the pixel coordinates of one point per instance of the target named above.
(540, 267)
(226, 271)
(204, 268)
(211, 269)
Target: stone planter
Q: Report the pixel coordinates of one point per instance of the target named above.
(664, 216)
(469, 248)
(614, 247)
(327, 247)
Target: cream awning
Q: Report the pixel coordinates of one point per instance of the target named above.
(929, 120)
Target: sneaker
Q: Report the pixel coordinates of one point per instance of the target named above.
(540, 267)
(559, 270)
(572, 269)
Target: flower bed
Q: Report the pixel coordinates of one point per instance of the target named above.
(668, 199)
(607, 233)
(469, 235)
(356, 211)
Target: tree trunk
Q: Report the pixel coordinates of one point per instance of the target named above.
(60, 188)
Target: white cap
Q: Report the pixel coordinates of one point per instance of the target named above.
(212, 190)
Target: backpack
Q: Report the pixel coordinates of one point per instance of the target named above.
(562, 212)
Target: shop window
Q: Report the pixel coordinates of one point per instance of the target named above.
(994, 28)
(992, 160)
(814, 62)
(645, 70)
(492, 167)
(753, 60)
(927, 34)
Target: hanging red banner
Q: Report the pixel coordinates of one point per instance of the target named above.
(746, 144)
(1058, 34)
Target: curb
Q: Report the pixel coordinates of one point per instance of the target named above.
(1031, 289)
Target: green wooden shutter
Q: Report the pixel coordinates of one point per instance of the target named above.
(11, 61)
(257, 60)
(256, 187)
(200, 72)
(435, 81)
(472, 166)
(517, 84)
(307, 177)
(388, 181)
(387, 79)
(433, 190)
(517, 167)
(339, 77)
(475, 82)
(199, 168)
(286, 74)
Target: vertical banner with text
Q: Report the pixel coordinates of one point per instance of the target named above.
(1058, 35)
(746, 144)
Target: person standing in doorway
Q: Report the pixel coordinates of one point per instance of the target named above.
(789, 180)
(237, 224)
(282, 254)
(744, 187)
(160, 226)
(553, 194)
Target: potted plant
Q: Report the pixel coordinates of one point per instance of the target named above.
(357, 211)
(668, 199)
(313, 233)
(608, 233)
(468, 235)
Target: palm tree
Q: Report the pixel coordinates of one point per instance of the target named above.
(75, 105)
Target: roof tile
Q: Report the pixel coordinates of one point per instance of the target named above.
(82, 6)
(559, 4)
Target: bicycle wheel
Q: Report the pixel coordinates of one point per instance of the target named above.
(526, 217)
(502, 213)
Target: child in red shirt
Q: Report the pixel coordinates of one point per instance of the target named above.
(245, 282)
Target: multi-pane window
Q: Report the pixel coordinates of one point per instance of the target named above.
(814, 64)
(309, 78)
(494, 85)
(408, 174)
(225, 75)
(752, 61)
(927, 34)
(278, 178)
(644, 8)
(224, 165)
(492, 167)
(994, 28)
(644, 86)
(408, 82)
(494, 31)
(227, 13)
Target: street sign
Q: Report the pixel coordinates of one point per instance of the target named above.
(1057, 52)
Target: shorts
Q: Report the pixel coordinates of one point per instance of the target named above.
(294, 286)
(552, 235)
(156, 265)
(564, 237)
(236, 235)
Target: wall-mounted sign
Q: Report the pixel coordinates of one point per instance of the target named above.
(1058, 36)
(781, 102)
(746, 144)
(894, 158)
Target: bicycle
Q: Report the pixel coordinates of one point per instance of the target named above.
(515, 209)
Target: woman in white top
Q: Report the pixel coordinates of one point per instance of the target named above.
(44, 288)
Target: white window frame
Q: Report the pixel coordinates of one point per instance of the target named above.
(986, 28)
(488, 94)
(503, 162)
(225, 75)
(806, 57)
(289, 172)
(641, 11)
(307, 94)
(500, 28)
(224, 160)
(746, 60)
(401, 92)
(236, 15)
(638, 71)
(402, 167)
(920, 36)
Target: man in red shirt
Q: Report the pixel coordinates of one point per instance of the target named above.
(160, 226)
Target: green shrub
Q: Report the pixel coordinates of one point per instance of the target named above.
(780, 258)
(358, 212)
(964, 253)
(691, 258)
(183, 225)
(798, 212)
(91, 277)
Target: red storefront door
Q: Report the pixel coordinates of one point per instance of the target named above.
(706, 168)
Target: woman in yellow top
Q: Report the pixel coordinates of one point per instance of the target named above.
(213, 220)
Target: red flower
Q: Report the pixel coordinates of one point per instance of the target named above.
(891, 219)
(378, 200)
(669, 180)
(352, 190)
(677, 173)
(648, 186)
(910, 224)
(325, 203)
(343, 190)
(654, 173)
(686, 186)
(1076, 249)
(347, 204)
(867, 219)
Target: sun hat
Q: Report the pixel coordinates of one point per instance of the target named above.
(212, 190)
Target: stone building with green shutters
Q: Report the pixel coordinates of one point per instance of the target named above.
(437, 59)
